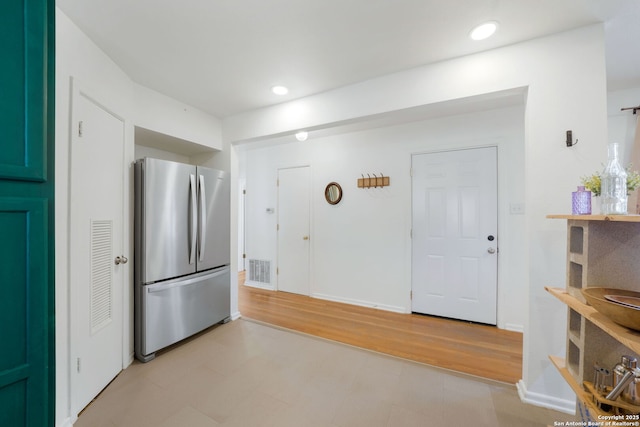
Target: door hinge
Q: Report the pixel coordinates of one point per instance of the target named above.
(244, 256)
(244, 191)
(80, 125)
(78, 365)
(411, 295)
(411, 233)
(277, 271)
(411, 172)
(277, 227)
(277, 183)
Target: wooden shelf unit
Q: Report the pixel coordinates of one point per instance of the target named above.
(602, 251)
(628, 337)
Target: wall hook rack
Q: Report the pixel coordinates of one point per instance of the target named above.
(635, 109)
(375, 181)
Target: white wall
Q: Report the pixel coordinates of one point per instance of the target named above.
(78, 57)
(361, 248)
(565, 77)
(622, 124)
(142, 151)
(165, 115)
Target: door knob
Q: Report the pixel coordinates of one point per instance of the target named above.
(121, 260)
(305, 238)
(491, 250)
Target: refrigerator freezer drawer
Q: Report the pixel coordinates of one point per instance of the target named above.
(172, 311)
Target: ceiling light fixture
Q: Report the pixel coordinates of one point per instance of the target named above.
(484, 31)
(302, 136)
(279, 90)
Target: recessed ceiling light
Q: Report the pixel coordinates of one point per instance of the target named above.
(484, 31)
(302, 136)
(280, 90)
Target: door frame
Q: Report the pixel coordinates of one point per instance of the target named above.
(79, 88)
(499, 190)
(242, 224)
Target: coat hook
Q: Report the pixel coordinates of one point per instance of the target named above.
(375, 181)
(569, 141)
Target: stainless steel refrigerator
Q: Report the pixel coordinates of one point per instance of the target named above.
(182, 252)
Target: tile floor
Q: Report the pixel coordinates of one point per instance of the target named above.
(247, 374)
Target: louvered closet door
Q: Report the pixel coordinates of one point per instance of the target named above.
(97, 186)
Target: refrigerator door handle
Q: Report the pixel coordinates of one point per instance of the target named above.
(151, 289)
(202, 221)
(193, 220)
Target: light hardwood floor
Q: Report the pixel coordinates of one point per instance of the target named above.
(481, 350)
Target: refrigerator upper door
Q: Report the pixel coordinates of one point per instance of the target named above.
(213, 218)
(169, 220)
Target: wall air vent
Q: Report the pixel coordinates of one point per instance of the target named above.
(259, 271)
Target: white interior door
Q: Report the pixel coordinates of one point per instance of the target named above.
(454, 245)
(97, 213)
(293, 230)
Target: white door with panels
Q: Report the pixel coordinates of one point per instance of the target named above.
(454, 234)
(294, 208)
(97, 259)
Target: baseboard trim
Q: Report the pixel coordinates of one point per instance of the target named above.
(67, 422)
(259, 285)
(235, 316)
(132, 356)
(392, 308)
(514, 327)
(545, 401)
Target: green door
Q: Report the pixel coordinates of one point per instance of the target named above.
(27, 368)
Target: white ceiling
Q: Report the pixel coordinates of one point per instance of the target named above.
(223, 56)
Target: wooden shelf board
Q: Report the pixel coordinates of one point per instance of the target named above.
(615, 218)
(585, 397)
(625, 336)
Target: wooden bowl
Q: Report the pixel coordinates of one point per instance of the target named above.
(624, 315)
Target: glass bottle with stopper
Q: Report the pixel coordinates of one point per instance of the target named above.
(614, 184)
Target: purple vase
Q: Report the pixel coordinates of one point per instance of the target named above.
(581, 202)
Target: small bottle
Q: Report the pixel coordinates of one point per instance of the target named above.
(581, 202)
(614, 185)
